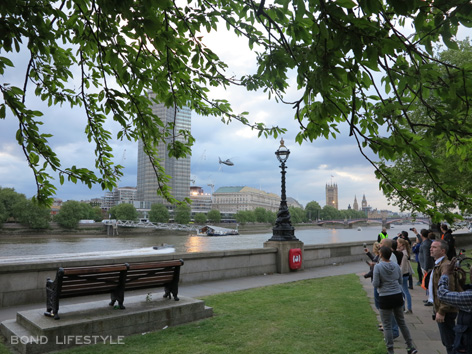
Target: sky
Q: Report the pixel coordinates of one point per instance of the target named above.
(310, 166)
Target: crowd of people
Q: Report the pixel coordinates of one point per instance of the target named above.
(438, 274)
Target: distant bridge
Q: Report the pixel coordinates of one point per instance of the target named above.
(387, 221)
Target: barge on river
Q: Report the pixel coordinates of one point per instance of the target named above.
(210, 230)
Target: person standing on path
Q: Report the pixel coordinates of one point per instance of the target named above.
(405, 266)
(426, 261)
(444, 315)
(416, 251)
(374, 259)
(463, 301)
(388, 280)
(446, 235)
(404, 235)
(382, 234)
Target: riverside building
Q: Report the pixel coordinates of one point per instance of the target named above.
(201, 201)
(234, 199)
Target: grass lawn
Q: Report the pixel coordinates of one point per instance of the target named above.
(327, 315)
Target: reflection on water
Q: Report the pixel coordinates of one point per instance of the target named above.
(15, 246)
(195, 244)
(334, 236)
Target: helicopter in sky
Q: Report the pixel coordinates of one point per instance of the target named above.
(226, 162)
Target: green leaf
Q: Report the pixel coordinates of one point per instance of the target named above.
(348, 4)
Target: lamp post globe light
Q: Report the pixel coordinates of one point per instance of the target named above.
(283, 229)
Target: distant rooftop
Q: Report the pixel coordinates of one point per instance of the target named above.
(241, 189)
(229, 189)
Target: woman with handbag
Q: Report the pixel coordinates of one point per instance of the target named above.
(407, 271)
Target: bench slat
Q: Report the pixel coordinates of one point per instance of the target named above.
(92, 277)
(85, 291)
(95, 269)
(133, 276)
(154, 280)
(90, 285)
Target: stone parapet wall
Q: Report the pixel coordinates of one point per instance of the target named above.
(24, 283)
(463, 240)
(324, 255)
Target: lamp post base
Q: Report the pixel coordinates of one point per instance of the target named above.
(282, 256)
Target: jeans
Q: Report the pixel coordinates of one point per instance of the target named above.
(388, 316)
(395, 329)
(376, 298)
(463, 329)
(394, 325)
(446, 330)
(406, 292)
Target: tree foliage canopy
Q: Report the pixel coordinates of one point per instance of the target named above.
(363, 63)
(260, 214)
(214, 216)
(8, 198)
(97, 213)
(182, 214)
(124, 211)
(31, 214)
(71, 212)
(312, 210)
(297, 215)
(158, 213)
(452, 188)
(14, 205)
(200, 218)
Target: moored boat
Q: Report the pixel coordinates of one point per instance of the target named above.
(210, 230)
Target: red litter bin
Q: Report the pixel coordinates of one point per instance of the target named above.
(295, 258)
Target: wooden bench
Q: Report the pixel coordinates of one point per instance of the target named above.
(115, 279)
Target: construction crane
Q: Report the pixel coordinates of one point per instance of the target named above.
(212, 188)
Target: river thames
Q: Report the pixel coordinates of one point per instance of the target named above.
(15, 247)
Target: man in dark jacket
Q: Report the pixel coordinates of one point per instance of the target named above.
(426, 261)
(446, 235)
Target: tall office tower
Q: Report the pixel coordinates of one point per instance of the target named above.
(177, 169)
(332, 195)
(355, 205)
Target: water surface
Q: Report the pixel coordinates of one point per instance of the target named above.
(17, 246)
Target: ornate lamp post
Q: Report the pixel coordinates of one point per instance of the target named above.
(283, 229)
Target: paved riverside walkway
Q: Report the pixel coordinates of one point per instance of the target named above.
(423, 329)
